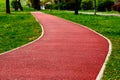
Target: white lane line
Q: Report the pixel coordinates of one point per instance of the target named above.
(100, 74)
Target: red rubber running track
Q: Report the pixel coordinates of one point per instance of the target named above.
(67, 51)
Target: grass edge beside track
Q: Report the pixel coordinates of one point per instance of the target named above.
(107, 26)
(17, 29)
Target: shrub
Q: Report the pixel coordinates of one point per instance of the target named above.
(60, 6)
(101, 7)
(87, 5)
(116, 7)
(69, 6)
(48, 6)
(106, 5)
(14, 4)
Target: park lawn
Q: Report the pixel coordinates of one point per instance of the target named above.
(106, 12)
(109, 26)
(16, 29)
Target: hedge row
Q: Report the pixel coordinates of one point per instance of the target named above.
(106, 5)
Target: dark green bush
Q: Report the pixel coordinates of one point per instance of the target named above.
(87, 5)
(14, 4)
(48, 6)
(101, 7)
(60, 6)
(106, 5)
(69, 6)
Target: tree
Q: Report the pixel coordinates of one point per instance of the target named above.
(48, 4)
(16, 4)
(77, 5)
(35, 4)
(87, 5)
(94, 7)
(7, 7)
(20, 6)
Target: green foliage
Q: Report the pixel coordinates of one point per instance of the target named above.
(70, 4)
(106, 5)
(45, 1)
(2, 4)
(109, 26)
(14, 4)
(35, 4)
(87, 5)
(60, 4)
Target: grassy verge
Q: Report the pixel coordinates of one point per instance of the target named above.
(106, 12)
(17, 29)
(109, 26)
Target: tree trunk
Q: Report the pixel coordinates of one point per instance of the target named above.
(94, 7)
(20, 6)
(76, 7)
(36, 4)
(7, 7)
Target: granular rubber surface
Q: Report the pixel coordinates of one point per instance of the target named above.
(67, 51)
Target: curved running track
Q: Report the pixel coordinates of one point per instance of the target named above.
(67, 51)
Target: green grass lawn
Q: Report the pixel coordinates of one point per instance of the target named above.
(17, 28)
(106, 12)
(109, 26)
